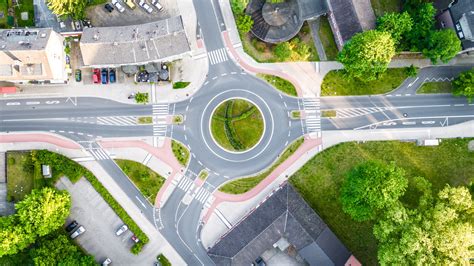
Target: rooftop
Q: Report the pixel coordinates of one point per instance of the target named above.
(283, 215)
(134, 44)
(24, 39)
(462, 13)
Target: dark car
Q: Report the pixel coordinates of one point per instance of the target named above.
(259, 262)
(105, 76)
(112, 77)
(71, 226)
(78, 75)
(109, 8)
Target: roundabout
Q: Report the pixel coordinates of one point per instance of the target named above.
(237, 125)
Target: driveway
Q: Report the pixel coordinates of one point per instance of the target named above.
(100, 221)
(101, 18)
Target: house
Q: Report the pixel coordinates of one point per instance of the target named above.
(163, 40)
(32, 55)
(459, 16)
(285, 227)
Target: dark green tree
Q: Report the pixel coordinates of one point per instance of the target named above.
(371, 187)
(59, 251)
(396, 24)
(463, 85)
(367, 54)
(423, 19)
(442, 45)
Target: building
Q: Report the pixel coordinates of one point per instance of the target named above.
(32, 55)
(459, 16)
(283, 228)
(163, 40)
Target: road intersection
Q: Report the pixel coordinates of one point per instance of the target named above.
(88, 120)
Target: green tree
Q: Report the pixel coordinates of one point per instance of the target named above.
(13, 237)
(59, 251)
(424, 22)
(371, 187)
(141, 97)
(43, 211)
(438, 232)
(282, 51)
(367, 54)
(463, 85)
(74, 8)
(442, 45)
(396, 24)
(238, 6)
(244, 23)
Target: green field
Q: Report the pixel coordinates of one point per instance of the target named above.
(280, 84)
(147, 181)
(327, 38)
(245, 184)
(320, 179)
(382, 6)
(237, 125)
(22, 175)
(436, 87)
(25, 6)
(180, 152)
(338, 83)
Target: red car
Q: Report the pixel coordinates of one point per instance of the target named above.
(96, 75)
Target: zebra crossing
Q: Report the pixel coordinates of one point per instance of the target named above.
(354, 112)
(160, 111)
(217, 56)
(117, 120)
(201, 194)
(312, 115)
(99, 154)
(185, 184)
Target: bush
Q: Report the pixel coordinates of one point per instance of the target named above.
(141, 97)
(411, 71)
(282, 51)
(244, 23)
(180, 84)
(258, 45)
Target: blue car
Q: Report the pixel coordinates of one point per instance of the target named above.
(112, 77)
(104, 76)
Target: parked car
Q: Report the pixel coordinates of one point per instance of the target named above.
(107, 261)
(135, 239)
(121, 230)
(78, 75)
(157, 5)
(79, 231)
(68, 59)
(71, 226)
(104, 76)
(109, 8)
(77, 25)
(130, 4)
(112, 75)
(145, 6)
(119, 7)
(96, 75)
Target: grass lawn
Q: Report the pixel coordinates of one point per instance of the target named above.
(25, 6)
(4, 10)
(338, 83)
(180, 84)
(147, 181)
(145, 120)
(245, 184)
(280, 84)
(382, 6)
(244, 121)
(436, 87)
(180, 152)
(22, 175)
(328, 113)
(320, 179)
(327, 38)
(163, 260)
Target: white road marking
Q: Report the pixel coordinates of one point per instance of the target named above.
(13, 103)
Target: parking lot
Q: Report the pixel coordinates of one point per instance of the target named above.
(101, 222)
(102, 18)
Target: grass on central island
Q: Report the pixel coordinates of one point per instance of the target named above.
(320, 179)
(237, 125)
(242, 185)
(146, 180)
(180, 152)
(280, 84)
(436, 87)
(338, 83)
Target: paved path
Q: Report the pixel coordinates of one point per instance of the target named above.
(314, 26)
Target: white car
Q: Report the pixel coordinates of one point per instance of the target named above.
(106, 262)
(157, 5)
(79, 231)
(118, 6)
(145, 6)
(121, 230)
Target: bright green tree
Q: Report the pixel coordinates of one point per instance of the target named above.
(396, 24)
(282, 51)
(463, 85)
(367, 54)
(59, 251)
(43, 211)
(13, 237)
(244, 23)
(438, 232)
(371, 187)
(141, 97)
(442, 45)
(74, 8)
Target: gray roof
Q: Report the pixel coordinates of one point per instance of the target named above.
(312, 8)
(284, 214)
(346, 18)
(24, 39)
(457, 10)
(136, 44)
